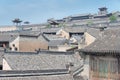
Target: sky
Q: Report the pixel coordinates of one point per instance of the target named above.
(38, 11)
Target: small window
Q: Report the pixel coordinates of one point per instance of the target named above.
(71, 64)
(13, 45)
(16, 49)
(1, 67)
(10, 48)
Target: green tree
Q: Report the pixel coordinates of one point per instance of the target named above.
(49, 26)
(89, 23)
(62, 25)
(74, 25)
(113, 18)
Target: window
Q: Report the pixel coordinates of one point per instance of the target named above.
(16, 49)
(1, 67)
(10, 48)
(101, 67)
(71, 64)
(13, 45)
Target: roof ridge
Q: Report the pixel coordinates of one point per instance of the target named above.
(21, 73)
(15, 52)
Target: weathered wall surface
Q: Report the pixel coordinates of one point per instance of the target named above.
(9, 28)
(63, 34)
(89, 39)
(6, 65)
(85, 73)
(15, 43)
(32, 44)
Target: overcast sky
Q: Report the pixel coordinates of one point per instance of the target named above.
(38, 11)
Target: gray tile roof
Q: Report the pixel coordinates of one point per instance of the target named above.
(74, 29)
(25, 33)
(77, 37)
(78, 15)
(41, 61)
(7, 37)
(1, 55)
(29, 33)
(50, 30)
(53, 37)
(57, 42)
(93, 32)
(79, 78)
(35, 75)
(34, 25)
(108, 42)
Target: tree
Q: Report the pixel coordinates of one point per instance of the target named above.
(48, 26)
(74, 25)
(61, 25)
(113, 18)
(17, 21)
(89, 23)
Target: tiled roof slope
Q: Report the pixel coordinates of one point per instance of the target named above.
(57, 42)
(35, 75)
(41, 61)
(52, 37)
(74, 29)
(1, 55)
(107, 42)
(29, 33)
(95, 32)
(7, 36)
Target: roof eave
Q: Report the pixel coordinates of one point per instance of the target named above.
(101, 52)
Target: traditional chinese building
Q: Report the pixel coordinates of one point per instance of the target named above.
(102, 57)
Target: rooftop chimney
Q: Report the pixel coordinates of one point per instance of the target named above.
(69, 66)
(102, 29)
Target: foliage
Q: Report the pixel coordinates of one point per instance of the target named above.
(89, 23)
(61, 25)
(113, 18)
(74, 25)
(49, 26)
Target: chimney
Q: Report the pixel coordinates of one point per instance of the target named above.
(69, 66)
(102, 29)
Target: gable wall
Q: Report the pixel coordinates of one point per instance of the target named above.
(89, 39)
(32, 44)
(6, 65)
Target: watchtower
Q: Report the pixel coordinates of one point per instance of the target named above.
(102, 10)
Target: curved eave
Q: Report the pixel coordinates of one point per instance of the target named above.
(101, 52)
